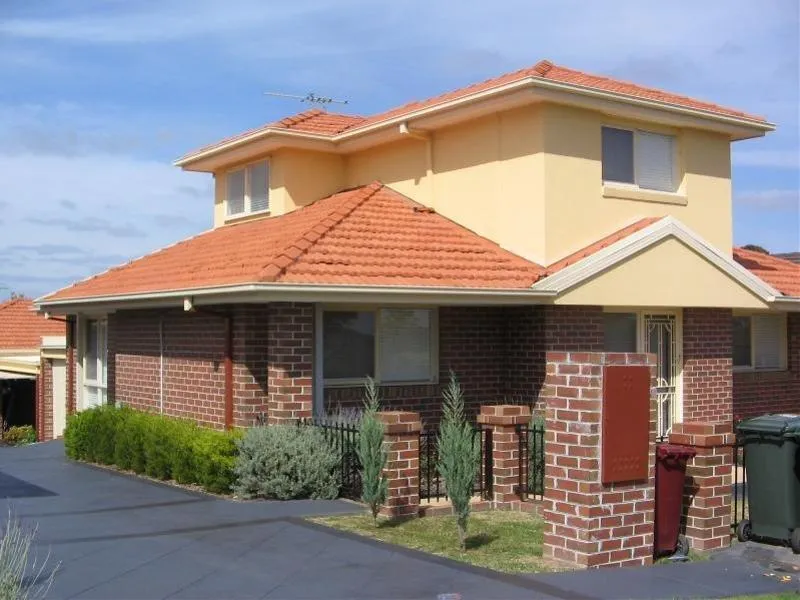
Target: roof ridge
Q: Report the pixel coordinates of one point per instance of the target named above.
(300, 246)
(292, 120)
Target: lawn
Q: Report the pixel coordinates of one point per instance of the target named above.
(510, 542)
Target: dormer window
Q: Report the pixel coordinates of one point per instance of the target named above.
(248, 190)
(639, 158)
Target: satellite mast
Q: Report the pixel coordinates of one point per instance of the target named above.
(310, 98)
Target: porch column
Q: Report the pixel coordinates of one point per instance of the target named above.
(707, 492)
(401, 439)
(503, 420)
(290, 350)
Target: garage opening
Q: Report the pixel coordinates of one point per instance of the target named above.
(18, 402)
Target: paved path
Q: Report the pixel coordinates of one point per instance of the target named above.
(121, 537)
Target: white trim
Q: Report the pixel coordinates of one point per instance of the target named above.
(526, 82)
(619, 251)
(266, 292)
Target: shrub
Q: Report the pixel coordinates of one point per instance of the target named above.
(19, 435)
(371, 453)
(459, 456)
(22, 576)
(158, 446)
(285, 462)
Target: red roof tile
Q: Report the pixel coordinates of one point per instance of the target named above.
(783, 275)
(317, 121)
(367, 236)
(21, 328)
(600, 244)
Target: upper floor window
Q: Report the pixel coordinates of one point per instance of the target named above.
(759, 342)
(640, 158)
(248, 189)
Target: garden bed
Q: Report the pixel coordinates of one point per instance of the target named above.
(510, 542)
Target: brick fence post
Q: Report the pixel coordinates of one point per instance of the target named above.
(707, 494)
(401, 437)
(503, 420)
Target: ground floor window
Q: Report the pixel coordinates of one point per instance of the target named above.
(391, 345)
(759, 342)
(95, 371)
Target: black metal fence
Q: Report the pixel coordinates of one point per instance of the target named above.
(344, 437)
(431, 485)
(531, 460)
(739, 503)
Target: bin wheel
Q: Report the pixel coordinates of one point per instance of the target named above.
(796, 541)
(744, 531)
(683, 546)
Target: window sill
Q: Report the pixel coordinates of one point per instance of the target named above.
(241, 217)
(622, 192)
(754, 371)
(359, 383)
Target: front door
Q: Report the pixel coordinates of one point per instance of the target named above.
(662, 338)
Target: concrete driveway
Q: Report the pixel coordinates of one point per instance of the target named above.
(120, 537)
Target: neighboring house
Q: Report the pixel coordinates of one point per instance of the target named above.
(792, 256)
(544, 210)
(32, 369)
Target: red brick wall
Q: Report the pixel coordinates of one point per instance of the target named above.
(290, 353)
(472, 342)
(771, 391)
(707, 365)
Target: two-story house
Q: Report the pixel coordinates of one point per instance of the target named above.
(543, 210)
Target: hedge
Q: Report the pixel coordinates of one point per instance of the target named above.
(157, 446)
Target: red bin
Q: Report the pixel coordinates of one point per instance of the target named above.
(671, 462)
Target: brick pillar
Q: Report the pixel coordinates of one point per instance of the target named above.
(503, 420)
(589, 523)
(707, 494)
(290, 351)
(401, 437)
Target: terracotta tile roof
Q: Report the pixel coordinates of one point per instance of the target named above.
(783, 275)
(366, 236)
(600, 244)
(21, 328)
(317, 121)
(792, 256)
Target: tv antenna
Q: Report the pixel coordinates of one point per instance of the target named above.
(310, 98)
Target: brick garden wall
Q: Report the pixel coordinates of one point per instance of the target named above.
(770, 392)
(45, 381)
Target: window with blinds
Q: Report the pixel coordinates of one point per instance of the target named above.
(759, 342)
(393, 345)
(95, 371)
(641, 158)
(248, 190)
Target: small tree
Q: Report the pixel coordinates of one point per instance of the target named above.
(459, 456)
(371, 453)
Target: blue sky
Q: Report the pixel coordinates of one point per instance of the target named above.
(98, 98)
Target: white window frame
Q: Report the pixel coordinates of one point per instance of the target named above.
(100, 385)
(246, 212)
(676, 184)
(784, 342)
(359, 381)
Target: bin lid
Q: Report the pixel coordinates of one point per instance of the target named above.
(778, 425)
(675, 451)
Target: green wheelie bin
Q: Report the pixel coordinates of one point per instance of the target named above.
(772, 461)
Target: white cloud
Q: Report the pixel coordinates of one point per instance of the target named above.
(770, 199)
(777, 159)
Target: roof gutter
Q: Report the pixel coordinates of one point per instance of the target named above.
(787, 303)
(523, 83)
(261, 292)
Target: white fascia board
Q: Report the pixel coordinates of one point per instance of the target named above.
(262, 293)
(787, 303)
(625, 248)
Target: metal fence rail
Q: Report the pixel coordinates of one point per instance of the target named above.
(343, 437)
(431, 484)
(739, 502)
(531, 461)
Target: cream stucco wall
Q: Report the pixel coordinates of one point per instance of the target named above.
(668, 274)
(577, 213)
(296, 178)
(486, 175)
